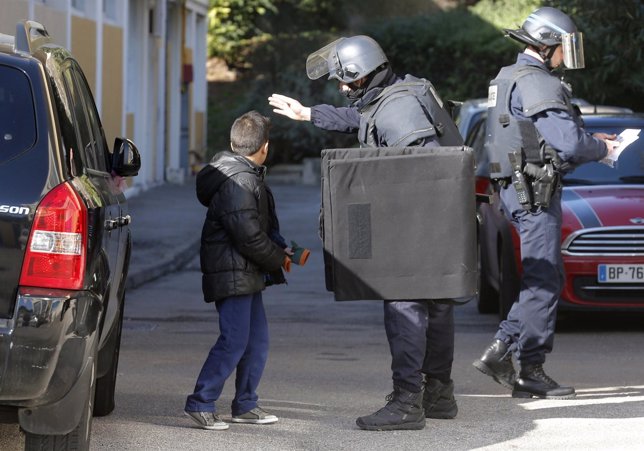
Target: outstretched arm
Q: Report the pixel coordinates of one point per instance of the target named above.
(326, 117)
(289, 107)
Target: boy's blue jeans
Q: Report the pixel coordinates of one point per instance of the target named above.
(242, 345)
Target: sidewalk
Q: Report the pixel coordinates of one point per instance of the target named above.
(166, 230)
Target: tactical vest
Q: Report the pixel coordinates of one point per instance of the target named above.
(506, 134)
(419, 114)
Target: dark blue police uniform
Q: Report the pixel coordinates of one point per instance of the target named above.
(529, 327)
(420, 333)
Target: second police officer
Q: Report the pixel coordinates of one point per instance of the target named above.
(533, 135)
(388, 111)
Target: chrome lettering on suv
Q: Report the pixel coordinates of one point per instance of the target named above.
(14, 210)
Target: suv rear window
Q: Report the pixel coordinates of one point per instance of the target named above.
(17, 115)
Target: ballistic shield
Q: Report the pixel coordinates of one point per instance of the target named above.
(399, 223)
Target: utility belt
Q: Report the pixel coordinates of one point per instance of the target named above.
(534, 183)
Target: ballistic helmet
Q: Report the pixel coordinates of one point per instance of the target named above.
(346, 59)
(549, 27)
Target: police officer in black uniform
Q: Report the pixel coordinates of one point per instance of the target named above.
(534, 135)
(388, 111)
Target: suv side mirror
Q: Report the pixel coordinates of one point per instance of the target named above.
(126, 159)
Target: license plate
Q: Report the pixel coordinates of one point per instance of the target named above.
(620, 273)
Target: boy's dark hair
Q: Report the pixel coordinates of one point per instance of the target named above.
(249, 132)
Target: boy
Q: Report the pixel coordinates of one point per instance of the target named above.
(238, 251)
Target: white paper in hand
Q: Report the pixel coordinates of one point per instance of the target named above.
(622, 141)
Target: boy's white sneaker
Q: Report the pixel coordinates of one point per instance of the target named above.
(255, 416)
(207, 420)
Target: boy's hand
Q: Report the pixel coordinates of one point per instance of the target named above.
(288, 251)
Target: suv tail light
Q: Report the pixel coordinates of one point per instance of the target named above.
(482, 185)
(55, 256)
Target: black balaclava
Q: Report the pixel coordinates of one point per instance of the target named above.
(547, 54)
(381, 77)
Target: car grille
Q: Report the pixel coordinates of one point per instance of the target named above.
(618, 241)
(587, 289)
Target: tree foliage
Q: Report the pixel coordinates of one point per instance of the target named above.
(237, 27)
(460, 50)
(504, 13)
(233, 27)
(613, 42)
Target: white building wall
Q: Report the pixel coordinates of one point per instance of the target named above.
(200, 90)
(136, 94)
(160, 94)
(199, 18)
(173, 82)
(151, 67)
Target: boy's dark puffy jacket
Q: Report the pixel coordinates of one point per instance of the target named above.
(236, 251)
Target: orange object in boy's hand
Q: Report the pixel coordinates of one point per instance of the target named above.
(299, 254)
(286, 264)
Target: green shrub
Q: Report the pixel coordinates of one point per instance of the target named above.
(455, 50)
(236, 27)
(504, 13)
(282, 63)
(459, 50)
(232, 27)
(613, 42)
(279, 67)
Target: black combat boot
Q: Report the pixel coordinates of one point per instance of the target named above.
(496, 362)
(533, 382)
(404, 410)
(439, 401)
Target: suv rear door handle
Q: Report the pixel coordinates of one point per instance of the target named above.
(124, 220)
(111, 224)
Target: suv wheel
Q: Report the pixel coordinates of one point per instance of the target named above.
(76, 440)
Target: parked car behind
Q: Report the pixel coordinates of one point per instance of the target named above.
(64, 245)
(469, 117)
(602, 231)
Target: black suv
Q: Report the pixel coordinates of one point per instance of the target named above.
(64, 244)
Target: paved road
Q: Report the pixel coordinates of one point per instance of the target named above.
(329, 364)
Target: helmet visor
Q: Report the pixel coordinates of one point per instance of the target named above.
(573, 50)
(323, 61)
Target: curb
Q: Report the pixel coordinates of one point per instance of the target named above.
(171, 263)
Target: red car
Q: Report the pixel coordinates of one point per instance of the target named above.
(602, 232)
